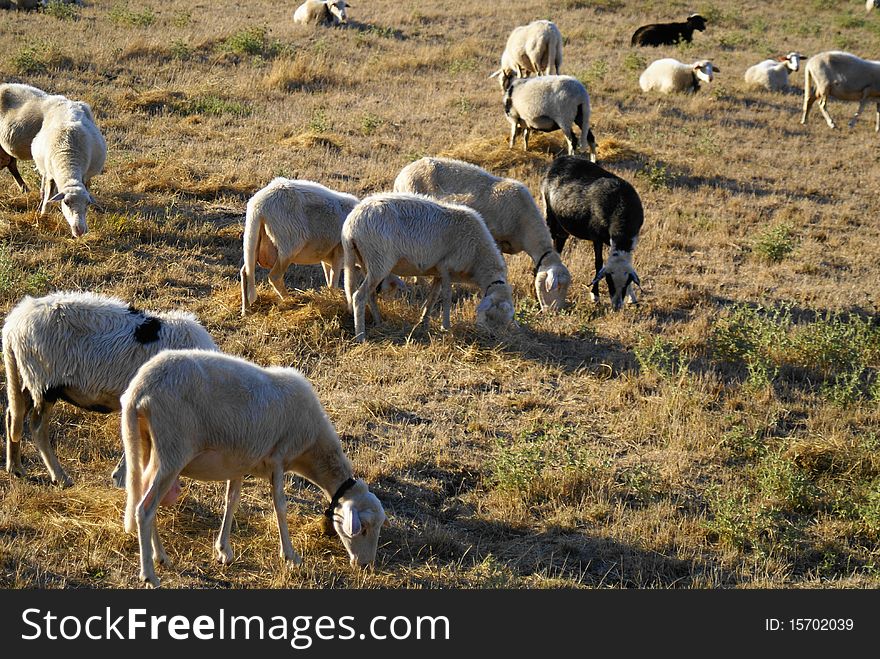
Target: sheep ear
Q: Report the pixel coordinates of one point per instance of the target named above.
(351, 520)
(716, 69)
(551, 283)
(484, 304)
(598, 276)
(57, 198)
(497, 73)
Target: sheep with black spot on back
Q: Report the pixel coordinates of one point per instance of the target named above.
(214, 417)
(414, 235)
(81, 348)
(508, 209)
(583, 200)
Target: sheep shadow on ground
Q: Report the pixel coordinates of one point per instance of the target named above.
(378, 30)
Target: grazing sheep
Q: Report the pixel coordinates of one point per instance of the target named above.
(844, 76)
(533, 48)
(668, 34)
(772, 75)
(21, 117)
(84, 349)
(292, 221)
(545, 104)
(215, 417)
(872, 4)
(68, 151)
(322, 12)
(585, 201)
(508, 209)
(414, 235)
(668, 75)
(8, 162)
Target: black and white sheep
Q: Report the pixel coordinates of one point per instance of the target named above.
(533, 48)
(214, 417)
(322, 12)
(414, 235)
(772, 75)
(545, 104)
(668, 34)
(584, 200)
(669, 76)
(84, 349)
(844, 76)
(508, 209)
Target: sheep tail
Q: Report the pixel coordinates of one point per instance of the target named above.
(135, 454)
(253, 223)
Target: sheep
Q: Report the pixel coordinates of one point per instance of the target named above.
(292, 221)
(668, 75)
(21, 117)
(773, 74)
(212, 416)
(548, 103)
(836, 74)
(668, 34)
(411, 234)
(81, 348)
(533, 48)
(871, 4)
(322, 12)
(68, 151)
(508, 209)
(584, 200)
(10, 163)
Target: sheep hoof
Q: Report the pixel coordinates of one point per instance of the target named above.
(63, 481)
(223, 555)
(151, 579)
(161, 559)
(292, 559)
(16, 470)
(593, 297)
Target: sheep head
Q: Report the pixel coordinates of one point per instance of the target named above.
(495, 311)
(704, 69)
(793, 60)
(622, 276)
(359, 524)
(551, 286)
(505, 78)
(337, 10)
(74, 202)
(697, 22)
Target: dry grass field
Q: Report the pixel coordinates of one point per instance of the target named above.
(723, 433)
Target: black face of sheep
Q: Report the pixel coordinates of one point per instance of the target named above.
(586, 201)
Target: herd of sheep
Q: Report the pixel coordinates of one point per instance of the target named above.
(190, 410)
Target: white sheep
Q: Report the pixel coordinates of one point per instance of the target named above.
(668, 75)
(414, 235)
(84, 349)
(844, 76)
(871, 4)
(322, 12)
(214, 417)
(68, 151)
(21, 117)
(292, 221)
(772, 75)
(533, 48)
(508, 209)
(545, 104)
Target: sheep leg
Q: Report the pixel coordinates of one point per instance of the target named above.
(13, 169)
(40, 434)
(569, 138)
(862, 102)
(809, 99)
(514, 130)
(374, 306)
(822, 103)
(45, 195)
(525, 138)
(333, 270)
(359, 304)
(597, 252)
(276, 278)
(222, 548)
(277, 479)
(429, 303)
(877, 121)
(446, 289)
(19, 404)
(148, 536)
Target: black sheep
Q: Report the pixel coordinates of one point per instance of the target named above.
(669, 34)
(586, 201)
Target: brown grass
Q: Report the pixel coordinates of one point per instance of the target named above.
(723, 433)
